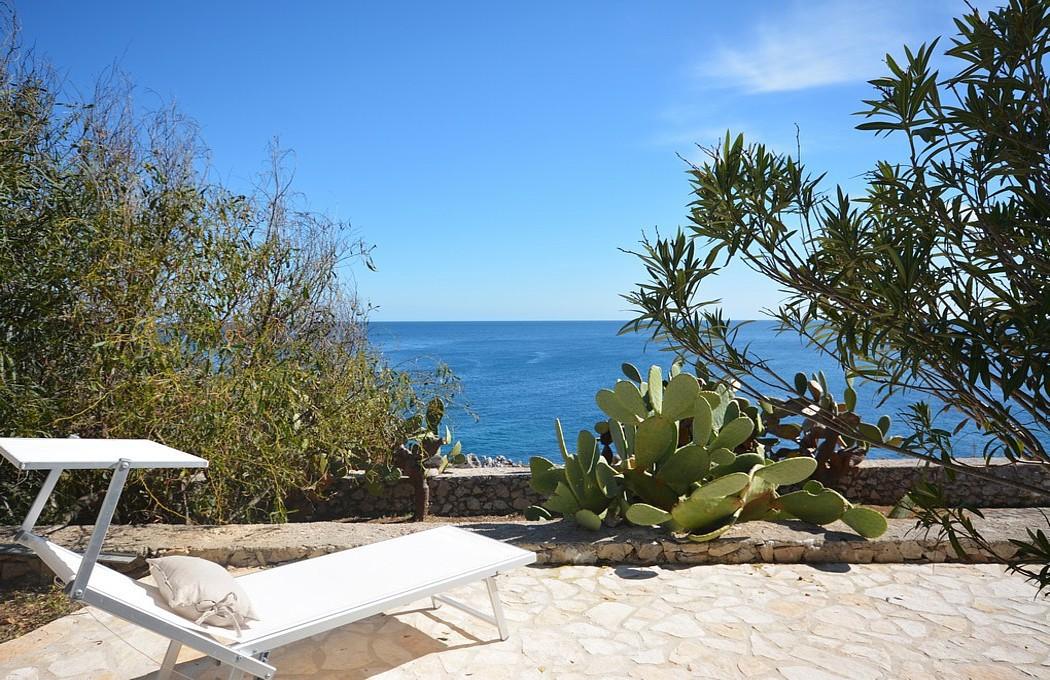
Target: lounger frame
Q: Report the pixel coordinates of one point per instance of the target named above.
(246, 657)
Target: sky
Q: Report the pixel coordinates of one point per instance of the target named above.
(500, 155)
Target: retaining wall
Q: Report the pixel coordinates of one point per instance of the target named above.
(555, 543)
(505, 491)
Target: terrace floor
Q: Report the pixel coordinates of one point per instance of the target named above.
(791, 621)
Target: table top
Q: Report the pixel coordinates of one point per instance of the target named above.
(86, 454)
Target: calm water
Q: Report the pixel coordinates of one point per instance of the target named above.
(518, 376)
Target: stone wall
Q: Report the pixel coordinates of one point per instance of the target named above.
(468, 492)
(555, 543)
(21, 565)
(883, 482)
(506, 491)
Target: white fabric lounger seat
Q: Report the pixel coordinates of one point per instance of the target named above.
(293, 601)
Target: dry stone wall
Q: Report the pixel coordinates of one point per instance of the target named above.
(555, 543)
(506, 491)
(458, 493)
(883, 482)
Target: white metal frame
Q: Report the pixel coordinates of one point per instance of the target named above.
(259, 649)
(78, 588)
(243, 658)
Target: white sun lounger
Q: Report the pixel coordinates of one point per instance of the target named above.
(293, 601)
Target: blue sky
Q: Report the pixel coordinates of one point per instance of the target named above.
(499, 154)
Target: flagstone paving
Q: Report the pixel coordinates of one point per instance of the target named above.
(794, 622)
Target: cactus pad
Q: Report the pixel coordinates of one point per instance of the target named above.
(683, 467)
(588, 520)
(545, 476)
(787, 471)
(608, 479)
(819, 508)
(611, 406)
(701, 421)
(697, 513)
(629, 396)
(734, 433)
(655, 439)
(865, 521)
(680, 397)
(537, 512)
(644, 514)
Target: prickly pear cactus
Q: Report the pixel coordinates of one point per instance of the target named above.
(585, 488)
(835, 454)
(689, 459)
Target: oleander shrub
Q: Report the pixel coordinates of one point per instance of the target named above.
(933, 283)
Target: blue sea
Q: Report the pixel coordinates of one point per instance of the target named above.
(518, 376)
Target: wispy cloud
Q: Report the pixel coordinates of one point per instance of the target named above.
(809, 45)
(791, 47)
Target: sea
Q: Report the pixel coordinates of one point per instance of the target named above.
(519, 376)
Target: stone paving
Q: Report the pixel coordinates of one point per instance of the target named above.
(798, 622)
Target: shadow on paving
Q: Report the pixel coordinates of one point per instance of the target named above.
(564, 531)
(358, 650)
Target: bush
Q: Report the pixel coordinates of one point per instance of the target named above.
(935, 283)
(139, 298)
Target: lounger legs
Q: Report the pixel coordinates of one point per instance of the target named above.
(236, 674)
(496, 618)
(170, 658)
(172, 655)
(497, 608)
(263, 656)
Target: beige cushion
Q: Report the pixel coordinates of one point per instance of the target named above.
(201, 591)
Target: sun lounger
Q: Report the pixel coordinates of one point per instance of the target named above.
(293, 601)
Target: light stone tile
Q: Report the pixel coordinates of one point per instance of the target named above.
(736, 648)
(809, 673)
(609, 614)
(726, 621)
(879, 656)
(1012, 655)
(649, 656)
(28, 673)
(763, 647)
(680, 626)
(597, 646)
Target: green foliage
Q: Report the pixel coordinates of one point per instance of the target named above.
(585, 487)
(935, 281)
(141, 299)
(928, 504)
(691, 465)
(427, 438)
(835, 453)
(423, 449)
